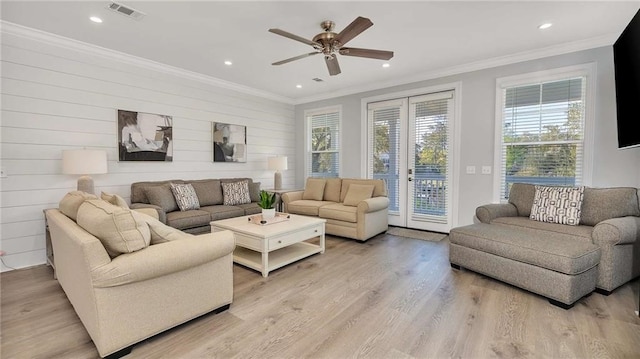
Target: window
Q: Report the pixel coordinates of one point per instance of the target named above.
(323, 143)
(542, 131)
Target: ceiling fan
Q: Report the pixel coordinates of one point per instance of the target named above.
(330, 44)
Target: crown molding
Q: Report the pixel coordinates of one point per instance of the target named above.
(86, 48)
(529, 55)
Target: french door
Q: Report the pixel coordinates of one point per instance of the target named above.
(409, 147)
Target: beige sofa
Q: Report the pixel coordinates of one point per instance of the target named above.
(354, 208)
(165, 277)
(158, 195)
(559, 261)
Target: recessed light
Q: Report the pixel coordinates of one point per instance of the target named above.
(95, 19)
(228, 63)
(386, 64)
(299, 86)
(545, 26)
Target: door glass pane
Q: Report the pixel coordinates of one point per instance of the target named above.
(430, 156)
(386, 154)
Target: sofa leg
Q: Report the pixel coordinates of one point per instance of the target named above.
(221, 309)
(120, 353)
(561, 305)
(603, 291)
(455, 266)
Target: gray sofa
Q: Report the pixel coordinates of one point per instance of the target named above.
(561, 262)
(158, 195)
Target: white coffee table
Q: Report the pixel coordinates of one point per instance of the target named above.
(269, 247)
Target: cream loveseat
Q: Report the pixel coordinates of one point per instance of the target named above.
(211, 203)
(354, 208)
(135, 277)
(559, 261)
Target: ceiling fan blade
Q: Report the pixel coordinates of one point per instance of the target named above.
(293, 37)
(370, 53)
(332, 65)
(295, 58)
(354, 29)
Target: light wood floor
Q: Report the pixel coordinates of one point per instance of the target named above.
(390, 297)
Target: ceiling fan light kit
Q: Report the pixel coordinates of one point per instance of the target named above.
(331, 44)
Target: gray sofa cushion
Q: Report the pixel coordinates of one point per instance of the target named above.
(555, 251)
(600, 204)
(223, 212)
(209, 192)
(162, 197)
(138, 194)
(250, 208)
(524, 222)
(188, 219)
(521, 195)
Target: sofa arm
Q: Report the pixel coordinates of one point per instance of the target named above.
(164, 258)
(373, 204)
(489, 212)
(162, 215)
(622, 230)
(291, 196)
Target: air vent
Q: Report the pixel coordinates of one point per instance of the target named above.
(317, 79)
(126, 11)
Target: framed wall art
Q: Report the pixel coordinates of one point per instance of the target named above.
(229, 142)
(144, 136)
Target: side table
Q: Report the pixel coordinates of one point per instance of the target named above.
(279, 193)
(49, 247)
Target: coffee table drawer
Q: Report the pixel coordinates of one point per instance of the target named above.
(289, 239)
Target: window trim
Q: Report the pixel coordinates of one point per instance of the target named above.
(588, 71)
(307, 135)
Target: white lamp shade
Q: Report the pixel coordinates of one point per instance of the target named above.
(277, 163)
(84, 162)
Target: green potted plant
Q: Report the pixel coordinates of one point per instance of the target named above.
(267, 201)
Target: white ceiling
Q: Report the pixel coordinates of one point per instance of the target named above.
(429, 38)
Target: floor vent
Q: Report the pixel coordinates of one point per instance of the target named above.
(126, 11)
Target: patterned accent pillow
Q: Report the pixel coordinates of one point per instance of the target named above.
(185, 195)
(557, 204)
(235, 193)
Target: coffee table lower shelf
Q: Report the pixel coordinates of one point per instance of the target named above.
(274, 259)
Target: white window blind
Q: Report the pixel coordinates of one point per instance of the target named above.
(430, 157)
(543, 133)
(323, 157)
(384, 146)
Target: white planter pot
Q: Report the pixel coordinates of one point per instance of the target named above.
(268, 213)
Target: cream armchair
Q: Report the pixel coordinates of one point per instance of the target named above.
(125, 299)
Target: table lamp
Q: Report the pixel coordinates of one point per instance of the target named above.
(84, 162)
(278, 164)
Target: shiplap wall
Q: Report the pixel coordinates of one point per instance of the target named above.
(57, 97)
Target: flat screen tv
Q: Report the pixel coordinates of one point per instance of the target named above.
(626, 59)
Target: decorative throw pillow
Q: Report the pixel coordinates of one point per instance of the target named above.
(557, 204)
(114, 199)
(314, 189)
(70, 203)
(118, 229)
(185, 195)
(357, 193)
(162, 197)
(254, 191)
(235, 193)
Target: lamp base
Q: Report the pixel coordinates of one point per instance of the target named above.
(85, 184)
(277, 180)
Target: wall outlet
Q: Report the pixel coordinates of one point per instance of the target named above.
(486, 170)
(471, 170)
(3, 173)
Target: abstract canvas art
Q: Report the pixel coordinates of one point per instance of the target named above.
(229, 143)
(144, 136)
